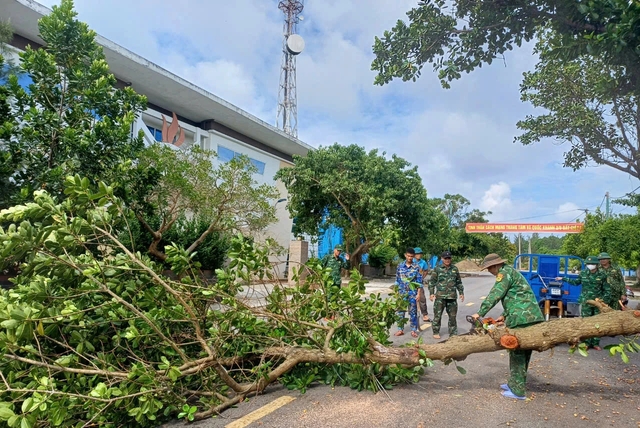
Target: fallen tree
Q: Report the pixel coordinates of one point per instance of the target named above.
(93, 332)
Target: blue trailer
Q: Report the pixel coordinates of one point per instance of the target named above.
(555, 297)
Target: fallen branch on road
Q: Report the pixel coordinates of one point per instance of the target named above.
(101, 336)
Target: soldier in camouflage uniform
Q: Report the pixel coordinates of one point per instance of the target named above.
(520, 309)
(409, 281)
(594, 285)
(335, 262)
(614, 279)
(444, 286)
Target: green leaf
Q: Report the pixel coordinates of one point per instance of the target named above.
(583, 352)
(27, 405)
(461, 370)
(5, 413)
(12, 324)
(26, 423)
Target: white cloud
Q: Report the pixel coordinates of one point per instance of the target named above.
(227, 79)
(461, 138)
(567, 212)
(497, 200)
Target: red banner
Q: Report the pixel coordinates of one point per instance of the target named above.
(524, 227)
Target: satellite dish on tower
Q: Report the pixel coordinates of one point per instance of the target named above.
(295, 44)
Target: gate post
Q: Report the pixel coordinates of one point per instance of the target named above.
(298, 256)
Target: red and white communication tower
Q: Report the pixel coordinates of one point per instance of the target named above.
(292, 45)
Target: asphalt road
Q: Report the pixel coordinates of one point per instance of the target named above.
(564, 390)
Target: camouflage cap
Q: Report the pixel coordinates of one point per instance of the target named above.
(604, 256)
(591, 260)
(492, 260)
(338, 247)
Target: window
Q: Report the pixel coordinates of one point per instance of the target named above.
(157, 133)
(259, 165)
(225, 155)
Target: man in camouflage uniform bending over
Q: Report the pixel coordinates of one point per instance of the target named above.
(444, 286)
(594, 286)
(615, 280)
(336, 263)
(520, 309)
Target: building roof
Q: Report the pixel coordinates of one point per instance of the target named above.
(160, 86)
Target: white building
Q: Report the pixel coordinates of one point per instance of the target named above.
(208, 120)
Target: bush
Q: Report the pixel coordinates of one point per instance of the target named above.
(211, 254)
(381, 255)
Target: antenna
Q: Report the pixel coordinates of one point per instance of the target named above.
(292, 45)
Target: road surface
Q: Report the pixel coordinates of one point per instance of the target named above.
(564, 390)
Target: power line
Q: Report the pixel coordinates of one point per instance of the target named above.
(627, 194)
(562, 212)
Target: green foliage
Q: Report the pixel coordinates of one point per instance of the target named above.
(72, 120)
(458, 37)
(380, 255)
(626, 345)
(224, 199)
(6, 66)
(210, 254)
(546, 244)
(365, 194)
(6, 34)
(587, 106)
(93, 333)
(618, 235)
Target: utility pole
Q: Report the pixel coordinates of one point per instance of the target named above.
(520, 251)
(450, 220)
(607, 206)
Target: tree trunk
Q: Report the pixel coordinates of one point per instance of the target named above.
(356, 256)
(539, 337)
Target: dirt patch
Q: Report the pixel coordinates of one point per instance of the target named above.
(468, 266)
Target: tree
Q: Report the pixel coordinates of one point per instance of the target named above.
(618, 235)
(587, 107)
(225, 197)
(546, 244)
(71, 119)
(6, 35)
(363, 193)
(6, 68)
(471, 33)
(92, 334)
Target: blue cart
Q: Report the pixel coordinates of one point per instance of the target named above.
(555, 297)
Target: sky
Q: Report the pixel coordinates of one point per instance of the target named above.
(460, 138)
